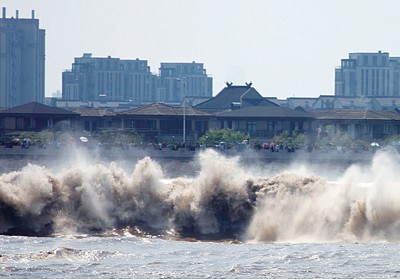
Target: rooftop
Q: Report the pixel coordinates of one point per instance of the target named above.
(159, 109)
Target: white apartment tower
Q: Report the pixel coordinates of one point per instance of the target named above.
(113, 79)
(180, 80)
(368, 75)
(108, 79)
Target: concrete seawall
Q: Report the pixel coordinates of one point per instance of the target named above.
(315, 156)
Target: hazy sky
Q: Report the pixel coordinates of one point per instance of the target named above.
(286, 48)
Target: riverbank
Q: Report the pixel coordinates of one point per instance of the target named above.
(301, 155)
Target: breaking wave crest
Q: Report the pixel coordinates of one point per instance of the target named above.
(60, 253)
(223, 201)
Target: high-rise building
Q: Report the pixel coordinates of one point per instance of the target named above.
(368, 75)
(114, 79)
(182, 80)
(108, 79)
(22, 60)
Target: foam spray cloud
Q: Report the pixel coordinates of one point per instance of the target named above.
(223, 201)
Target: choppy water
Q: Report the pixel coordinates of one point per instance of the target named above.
(210, 218)
(133, 257)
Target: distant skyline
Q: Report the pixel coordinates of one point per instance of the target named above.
(286, 48)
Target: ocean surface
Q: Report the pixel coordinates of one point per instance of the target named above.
(133, 257)
(213, 217)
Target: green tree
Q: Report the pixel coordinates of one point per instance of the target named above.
(294, 138)
(45, 136)
(25, 135)
(106, 137)
(119, 137)
(226, 135)
(392, 140)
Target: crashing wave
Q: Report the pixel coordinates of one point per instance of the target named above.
(223, 201)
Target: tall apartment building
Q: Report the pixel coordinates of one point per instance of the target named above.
(368, 75)
(108, 79)
(114, 79)
(179, 80)
(22, 60)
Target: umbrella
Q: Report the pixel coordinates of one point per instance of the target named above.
(374, 144)
(83, 139)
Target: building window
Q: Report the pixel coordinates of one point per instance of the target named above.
(251, 126)
(367, 128)
(353, 84)
(197, 126)
(271, 126)
(362, 81)
(377, 83)
(374, 60)
(386, 129)
(344, 127)
(373, 82)
(365, 60)
(87, 125)
(130, 124)
(19, 123)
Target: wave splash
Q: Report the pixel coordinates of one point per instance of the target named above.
(224, 201)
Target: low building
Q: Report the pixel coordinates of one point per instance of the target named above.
(160, 122)
(332, 102)
(36, 117)
(305, 103)
(264, 122)
(234, 97)
(364, 125)
(95, 119)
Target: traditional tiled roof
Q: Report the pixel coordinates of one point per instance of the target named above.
(301, 102)
(327, 96)
(266, 112)
(357, 115)
(94, 112)
(160, 109)
(245, 95)
(392, 102)
(349, 102)
(35, 108)
(275, 100)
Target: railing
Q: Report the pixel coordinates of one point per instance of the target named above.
(160, 131)
(262, 133)
(265, 134)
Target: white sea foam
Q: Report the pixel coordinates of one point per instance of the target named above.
(225, 200)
